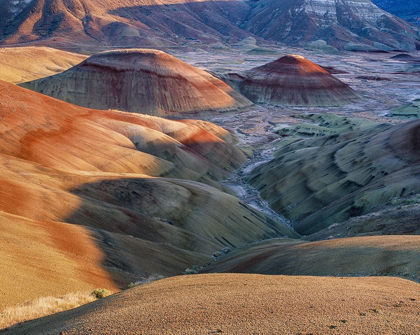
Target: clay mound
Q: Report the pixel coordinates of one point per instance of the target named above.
(318, 182)
(34, 63)
(295, 81)
(356, 256)
(243, 304)
(102, 171)
(142, 81)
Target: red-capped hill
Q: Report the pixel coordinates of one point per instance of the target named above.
(292, 64)
(140, 80)
(294, 80)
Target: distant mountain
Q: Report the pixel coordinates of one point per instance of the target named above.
(408, 10)
(152, 23)
(341, 24)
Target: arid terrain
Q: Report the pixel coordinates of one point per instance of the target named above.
(255, 172)
(245, 304)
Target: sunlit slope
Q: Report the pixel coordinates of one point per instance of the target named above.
(233, 304)
(18, 65)
(103, 171)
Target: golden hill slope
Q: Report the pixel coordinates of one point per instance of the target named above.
(245, 304)
(18, 65)
(102, 170)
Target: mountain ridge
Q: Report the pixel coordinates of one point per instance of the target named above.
(192, 23)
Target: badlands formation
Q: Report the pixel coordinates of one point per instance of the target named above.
(139, 194)
(143, 81)
(87, 24)
(321, 181)
(294, 80)
(95, 193)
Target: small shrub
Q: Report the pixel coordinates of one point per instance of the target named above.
(100, 293)
(145, 281)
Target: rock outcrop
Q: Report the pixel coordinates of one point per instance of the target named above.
(295, 81)
(143, 81)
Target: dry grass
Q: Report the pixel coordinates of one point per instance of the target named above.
(41, 307)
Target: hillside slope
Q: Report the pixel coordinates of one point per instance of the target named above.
(96, 177)
(234, 304)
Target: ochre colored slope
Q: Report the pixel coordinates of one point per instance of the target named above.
(246, 304)
(116, 141)
(103, 171)
(143, 81)
(46, 258)
(18, 65)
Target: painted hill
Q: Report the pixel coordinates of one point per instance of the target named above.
(18, 65)
(143, 81)
(73, 175)
(318, 182)
(233, 304)
(81, 24)
(295, 81)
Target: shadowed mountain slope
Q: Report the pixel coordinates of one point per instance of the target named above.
(394, 255)
(318, 182)
(18, 65)
(245, 304)
(295, 81)
(408, 10)
(102, 171)
(342, 24)
(140, 80)
(356, 25)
